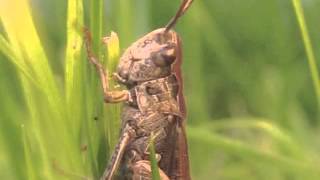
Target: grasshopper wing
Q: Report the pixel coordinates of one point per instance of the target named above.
(181, 146)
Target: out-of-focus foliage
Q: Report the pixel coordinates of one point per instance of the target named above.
(252, 104)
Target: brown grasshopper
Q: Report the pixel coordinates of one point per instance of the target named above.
(154, 104)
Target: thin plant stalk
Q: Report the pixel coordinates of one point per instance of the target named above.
(308, 47)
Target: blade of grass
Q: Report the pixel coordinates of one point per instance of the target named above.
(308, 47)
(46, 108)
(153, 160)
(256, 123)
(74, 45)
(113, 48)
(124, 14)
(37, 128)
(228, 145)
(5, 48)
(11, 144)
(95, 97)
(113, 111)
(74, 79)
(28, 158)
(6, 163)
(278, 135)
(96, 23)
(26, 46)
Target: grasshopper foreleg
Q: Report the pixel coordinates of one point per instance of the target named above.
(109, 96)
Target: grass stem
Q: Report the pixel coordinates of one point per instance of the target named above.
(308, 47)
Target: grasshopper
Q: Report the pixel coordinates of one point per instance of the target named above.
(153, 104)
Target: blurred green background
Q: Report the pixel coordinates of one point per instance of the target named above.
(252, 104)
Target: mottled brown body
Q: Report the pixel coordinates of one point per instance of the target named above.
(154, 106)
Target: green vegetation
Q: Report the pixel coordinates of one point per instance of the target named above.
(250, 73)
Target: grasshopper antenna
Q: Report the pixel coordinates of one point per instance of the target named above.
(182, 9)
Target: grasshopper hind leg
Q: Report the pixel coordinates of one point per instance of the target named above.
(126, 137)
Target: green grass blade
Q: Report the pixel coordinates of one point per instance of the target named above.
(28, 157)
(74, 80)
(124, 12)
(113, 111)
(6, 163)
(5, 48)
(95, 97)
(276, 135)
(113, 48)
(37, 127)
(74, 45)
(96, 23)
(256, 123)
(213, 141)
(308, 47)
(46, 104)
(153, 160)
(26, 45)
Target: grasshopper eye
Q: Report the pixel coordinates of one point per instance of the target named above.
(164, 57)
(169, 55)
(124, 74)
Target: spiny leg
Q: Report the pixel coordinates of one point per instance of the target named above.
(127, 136)
(109, 96)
